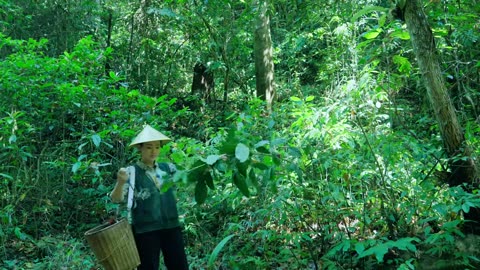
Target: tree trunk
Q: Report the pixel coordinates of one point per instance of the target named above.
(263, 56)
(109, 38)
(203, 82)
(462, 166)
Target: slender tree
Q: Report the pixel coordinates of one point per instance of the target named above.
(462, 166)
(264, 69)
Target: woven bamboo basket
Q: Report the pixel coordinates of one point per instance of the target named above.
(114, 245)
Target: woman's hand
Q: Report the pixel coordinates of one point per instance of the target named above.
(117, 193)
(122, 176)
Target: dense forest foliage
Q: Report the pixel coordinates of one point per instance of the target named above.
(309, 134)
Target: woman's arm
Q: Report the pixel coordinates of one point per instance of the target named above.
(118, 193)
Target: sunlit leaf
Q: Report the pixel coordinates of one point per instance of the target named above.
(212, 159)
(296, 99)
(401, 34)
(12, 139)
(242, 152)
(372, 34)
(180, 176)
(113, 76)
(382, 19)
(76, 166)
(403, 64)
(261, 143)
(96, 140)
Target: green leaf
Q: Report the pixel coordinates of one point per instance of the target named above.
(359, 248)
(276, 159)
(212, 159)
(262, 149)
(76, 166)
(253, 178)
(242, 152)
(346, 246)
(19, 234)
(197, 171)
(239, 181)
(207, 176)
(229, 145)
(367, 10)
(217, 250)
(404, 66)
(180, 175)
(372, 34)
(406, 243)
(201, 191)
(401, 34)
(113, 76)
(163, 12)
(6, 176)
(450, 225)
(379, 251)
(12, 139)
(364, 44)
(466, 208)
(279, 141)
(309, 98)
(343, 246)
(296, 99)
(221, 167)
(96, 140)
(242, 168)
(382, 20)
(295, 152)
(260, 146)
(260, 165)
(261, 143)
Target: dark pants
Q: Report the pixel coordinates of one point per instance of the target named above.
(167, 241)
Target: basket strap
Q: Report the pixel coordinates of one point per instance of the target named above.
(131, 187)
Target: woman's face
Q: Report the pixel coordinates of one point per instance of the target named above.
(149, 152)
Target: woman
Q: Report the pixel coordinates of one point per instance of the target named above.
(154, 215)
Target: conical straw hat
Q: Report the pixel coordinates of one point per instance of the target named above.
(149, 134)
